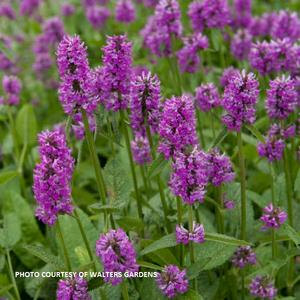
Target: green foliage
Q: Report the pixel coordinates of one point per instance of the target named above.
(10, 234)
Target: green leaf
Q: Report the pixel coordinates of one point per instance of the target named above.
(6, 176)
(148, 265)
(26, 125)
(130, 223)
(220, 137)
(11, 232)
(157, 166)
(45, 255)
(256, 133)
(191, 295)
(117, 184)
(291, 233)
(95, 283)
(103, 208)
(165, 242)
(225, 239)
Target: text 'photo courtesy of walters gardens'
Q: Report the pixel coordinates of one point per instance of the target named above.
(149, 149)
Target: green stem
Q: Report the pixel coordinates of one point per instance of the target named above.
(146, 187)
(243, 186)
(220, 211)
(159, 184)
(92, 148)
(14, 133)
(273, 202)
(290, 216)
(200, 128)
(85, 239)
(66, 256)
(133, 173)
(125, 290)
(191, 244)
(179, 220)
(11, 272)
(213, 126)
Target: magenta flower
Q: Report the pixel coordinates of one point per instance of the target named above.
(28, 7)
(145, 103)
(6, 10)
(227, 75)
(262, 287)
(197, 235)
(177, 126)
(116, 73)
(97, 15)
(286, 25)
(52, 177)
(12, 87)
(281, 98)
(67, 9)
(272, 149)
(73, 289)
(240, 97)
(158, 32)
(125, 11)
(117, 254)
(207, 97)
(209, 14)
(188, 178)
(243, 256)
(53, 29)
(75, 87)
(218, 168)
(242, 13)
(273, 217)
(241, 44)
(171, 281)
(188, 56)
(141, 150)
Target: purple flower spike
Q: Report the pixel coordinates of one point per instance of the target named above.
(117, 254)
(67, 9)
(197, 235)
(273, 217)
(141, 150)
(241, 44)
(240, 97)
(73, 289)
(144, 103)
(28, 7)
(272, 149)
(171, 281)
(97, 15)
(52, 177)
(188, 57)
(12, 87)
(116, 72)
(189, 179)
(281, 98)
(6, 10)
(286, 25)
(209, 14)
(177, 126)
(243, 256)
(227, 75)
(207, 97)
(262, 287)
(125, 11)
(53, 29)
(75, 88)
(242, 13)
(218, 168)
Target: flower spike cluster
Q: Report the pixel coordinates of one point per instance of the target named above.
(75, 87)
(243, 256)
(240, 97)
(171, 281)
(116, 73)
(177, 126)
(273, 217)
(52, 177)
(207, 97)
(12, 87)
(125, 11)
(197, 235)
(262, 287)
(73, 289)
(117, 254)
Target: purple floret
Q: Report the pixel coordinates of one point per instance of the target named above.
(243, 256)
(262, 287)
(273, 217)
(171, 281)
